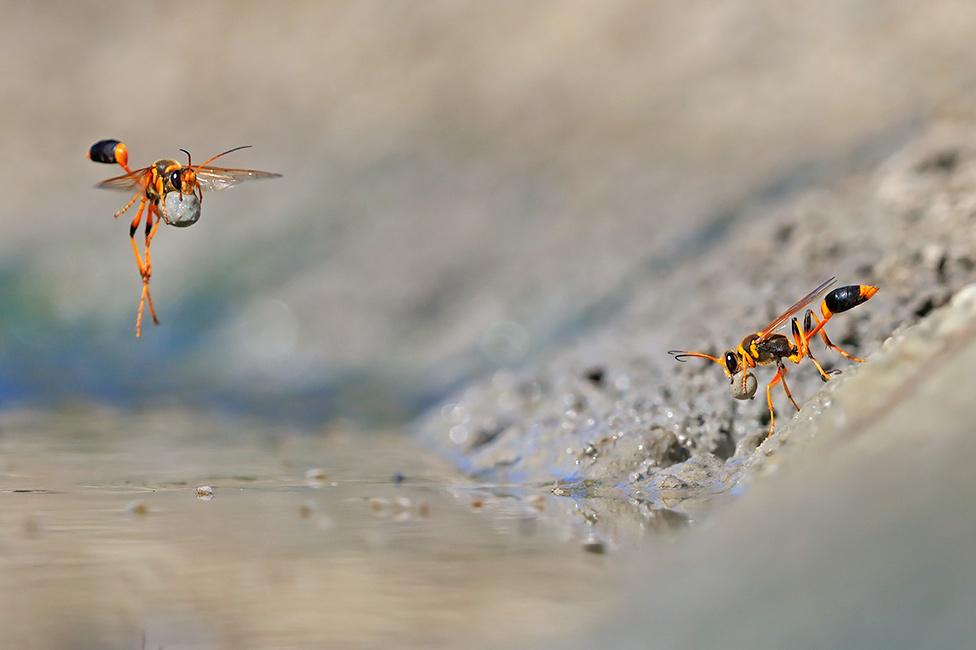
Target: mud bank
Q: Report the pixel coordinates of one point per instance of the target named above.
(862, 541)
(613, 409)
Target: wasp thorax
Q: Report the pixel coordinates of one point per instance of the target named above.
(181, 210)
(744, 386)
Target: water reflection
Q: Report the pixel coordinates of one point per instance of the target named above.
(223, 534)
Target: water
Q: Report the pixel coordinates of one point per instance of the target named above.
(308, 541)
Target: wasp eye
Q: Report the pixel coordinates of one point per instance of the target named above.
(174, 178)
(731, 362)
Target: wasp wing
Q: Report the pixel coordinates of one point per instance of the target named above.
(780, 320)
(126, 183)
(212, 179)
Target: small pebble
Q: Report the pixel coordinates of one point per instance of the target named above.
(476, 504)
(398, 478)
(137, 508)
(205, 492)
(315, 477)
(423, 509)
(378, 505)
(307, 509)
(595, 375)
(593, 545)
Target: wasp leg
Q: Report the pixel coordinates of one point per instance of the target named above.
(826, 339)
(769, 399)
(802, 349)
(143, 272)
(132, 236)
(145, 268)
(803, 346)
(125, 208)
(142, 302)
(151, 225)
(787, 388)
(161, 208)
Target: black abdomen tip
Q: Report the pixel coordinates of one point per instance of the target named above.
(849, 297)
(103, 151)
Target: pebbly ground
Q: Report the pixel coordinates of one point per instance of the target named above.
(613, 410)
(864, 541)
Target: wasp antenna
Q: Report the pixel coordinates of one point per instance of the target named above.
(243, 146)
(189, 160)
(223, 153)
(681, 355)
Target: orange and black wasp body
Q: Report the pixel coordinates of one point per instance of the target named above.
(167, 191)
(767, 346)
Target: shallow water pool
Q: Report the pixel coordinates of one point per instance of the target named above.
(336, 540)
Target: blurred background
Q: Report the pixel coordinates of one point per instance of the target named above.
(466, 185)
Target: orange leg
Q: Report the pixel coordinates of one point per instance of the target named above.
(769, 399)
(132, 236)
(819, 329)
(824, 375)
(787, 389)
(145, 269)
(803, 348)
(143, 273)
(128, 205)
(780, 376)
(142, 302)
(151, 225)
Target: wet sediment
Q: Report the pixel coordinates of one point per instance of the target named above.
(613, 410)
(855, 531)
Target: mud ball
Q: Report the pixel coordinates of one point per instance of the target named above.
(181, 211)
(744, 388)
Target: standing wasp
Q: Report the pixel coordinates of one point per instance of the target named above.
(166, 191)
(768, 347)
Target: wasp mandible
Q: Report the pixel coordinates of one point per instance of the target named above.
(167, 191)
(767, 347)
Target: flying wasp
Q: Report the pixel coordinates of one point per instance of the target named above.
(167, 191)
(767, 346)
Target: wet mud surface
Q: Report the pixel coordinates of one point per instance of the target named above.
(175, 530)
(854, 529)
(613, 409)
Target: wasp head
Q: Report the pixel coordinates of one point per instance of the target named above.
(174, 181)
(732, 363)
(743, 383)
(188, 174)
